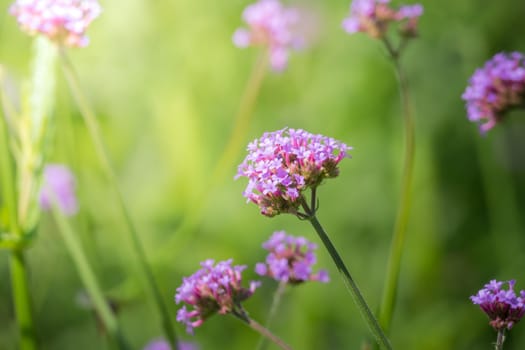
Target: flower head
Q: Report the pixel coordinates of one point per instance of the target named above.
(282, 164)
(214, 288)
(374, 16)
(58, 184)
(271, 25)
(503, 307)
(496, 88)
(62, 21)
(161, 344)
(290, 260)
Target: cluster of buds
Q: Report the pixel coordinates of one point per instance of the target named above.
(282, 164)
(215, 288)
(273, 26)
(62, 21)
(58, 185)
(503, 307)
(496, 88)
(373, 17)
(290, 260)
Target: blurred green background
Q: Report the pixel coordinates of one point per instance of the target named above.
(166, 81)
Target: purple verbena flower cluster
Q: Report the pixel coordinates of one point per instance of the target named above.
(271, 25)
(290, 260)
(374, 16)
(161, 344)
(214, 288)
(282, 164)
(495, 89)
(62, 21)
(58, 184)
(503, 307)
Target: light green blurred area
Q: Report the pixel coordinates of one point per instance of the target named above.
(166, 82)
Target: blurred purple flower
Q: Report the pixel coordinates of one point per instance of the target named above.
(271, 25)
(161, 344)
(496, 88)
(282, 164)
(214, 288)
(503, 307)
(290, 260)
(374, 16)
(62, 21)
(59, 184)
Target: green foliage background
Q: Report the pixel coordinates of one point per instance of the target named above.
(166, 81)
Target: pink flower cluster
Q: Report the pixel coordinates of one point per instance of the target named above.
(282, 164)
(58, 184)
(496, 88)
(374, 16)
(271, 25)
(161, 344)
(214, 288)
(290, 260)
(503, 307)
(62, 21)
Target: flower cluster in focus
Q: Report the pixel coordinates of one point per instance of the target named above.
(214, 288)
(271, 25)
(503, 307)
(62, 21)
(374, 16)
(495, 89)
(58, 184)
(282, 164)
(290, 260)
(161, 344)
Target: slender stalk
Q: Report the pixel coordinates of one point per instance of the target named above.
(94, 130)
(398, 238)
(88, 278)
(22, 300)
(276, 301)
(500, 339)
(18, 267)
(241, 315)
(350, 284)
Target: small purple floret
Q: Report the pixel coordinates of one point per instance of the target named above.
(62, 21)
(374, 16)
(503, 307)
(495, 89)
(215, 288)
(161, 344)
(58, 184)
(271, 25)
(290, 260)
(282, 164)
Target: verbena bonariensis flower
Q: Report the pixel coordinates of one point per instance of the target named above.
(161, 344)
(282, 164)
(290, 260)
(62, 21)
(58, 184)
(503, 307)
(214, 288)
(272, 25)
(374, 16)
(496, 88)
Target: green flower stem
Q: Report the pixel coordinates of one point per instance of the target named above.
(88, 278)
(500, 339)
(22, 300)
(94, 130)
(241, 315)
(350, 284)
(277, 296)
(399, 235)
(18, 267)
(243, 117)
